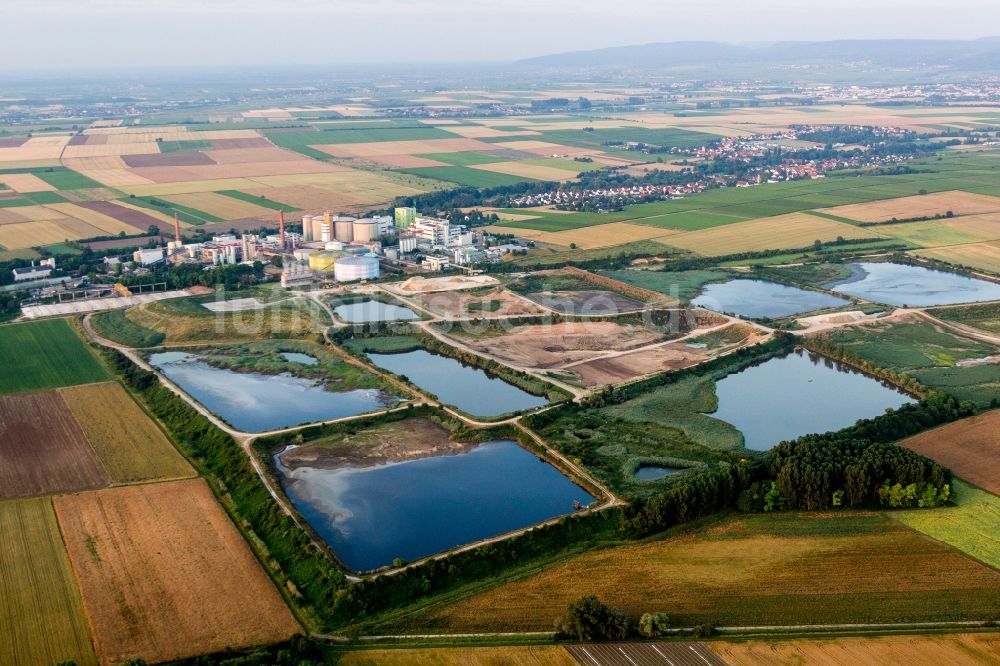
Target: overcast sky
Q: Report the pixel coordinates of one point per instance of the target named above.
(103, 33)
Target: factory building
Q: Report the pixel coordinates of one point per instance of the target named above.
(405, 217)
(34, 272)
(350, 269)
(407, 244)
(146, 257)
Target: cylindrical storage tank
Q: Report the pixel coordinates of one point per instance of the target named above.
(349, 269)
(307, 227)
(325, 232)
(334, 245)
(344, 230)
(365, 230)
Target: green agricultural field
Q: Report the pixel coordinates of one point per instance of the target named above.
(985, 317)
(43, 355)
(258, 200)
(462, 159)
(44, 197)
(115, 326)
(766, 569)
(185, 213)
(59, 177)
(928, 353)
(599, 138)
(184, 146)
(299, 142)
(466, 176)
(970, 525)
(927, 234)
(41, 612)
(680, 284)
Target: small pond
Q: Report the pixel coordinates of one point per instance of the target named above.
(255, 402)
(915, 286)
(801, 393)
(655, 472)
(760, 298)
(297, 357)
(412, 509)
(367, 311)
(470, 389)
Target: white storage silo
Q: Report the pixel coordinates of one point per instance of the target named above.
(349, 269)
(365, 230)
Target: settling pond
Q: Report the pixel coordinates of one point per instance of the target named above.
(470, 389)
(761, 298)
(255, 402)
(368, 311)
(900, 284)
(801, 393)
(655, 472)
(412, 509)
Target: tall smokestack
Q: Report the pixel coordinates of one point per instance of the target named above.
(281, 228)
(177, 227)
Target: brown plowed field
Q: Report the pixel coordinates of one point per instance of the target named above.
(180, 158)
(970, 447)
(165, 575)
(42, 449)
(137, 219)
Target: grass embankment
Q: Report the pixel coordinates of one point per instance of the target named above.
(679, 284)
(115, 326)
(927, 353)
(543, 655)
(788, 568)
(45, 354)
(970, 525)
(985, 317)
(187, 320)
(266, 357)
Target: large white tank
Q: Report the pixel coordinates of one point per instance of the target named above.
(343, 229)
(349, 269)
(365, 230)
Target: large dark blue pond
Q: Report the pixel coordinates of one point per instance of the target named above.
(470, 389)
(372, 515)
(798, 394)
(255, 402)
(901, 284)
(761, 298)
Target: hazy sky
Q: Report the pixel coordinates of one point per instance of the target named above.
(102, 33)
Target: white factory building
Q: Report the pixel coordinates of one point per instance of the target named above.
(440, 233)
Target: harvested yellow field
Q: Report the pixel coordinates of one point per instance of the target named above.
(187, 186)
(165, 575)
(47, 232)
(129, 446)
(374, 149)
(108, 225)
(112, 149)
(35, 149)
(479, 131)
(927, 650)
(133, 131)
(163, 217)
(38, 213)
(606, 235)
(308, 197)
(364, 185)
(25, 182)
(220, 205)
(542, 148)
(548, 655)
(794, 230)
(938, 203)
(981, 256)
(524, 170)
